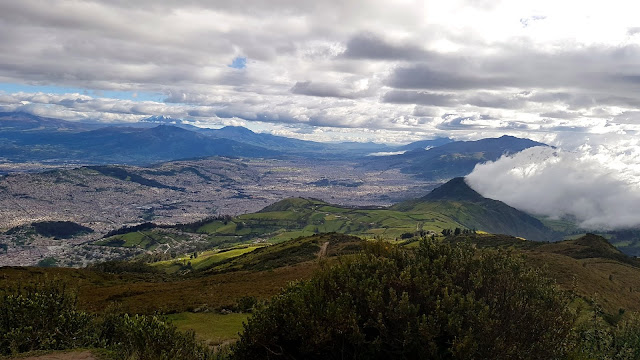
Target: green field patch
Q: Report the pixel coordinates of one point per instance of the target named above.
(332, 226)
(290, 235)
(211, 227)
(213, 328)
(206, 261)
(333, 209)
(230, 228)
(272, 215)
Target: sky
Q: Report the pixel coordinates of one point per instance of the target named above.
(566, 73)
(554, 71)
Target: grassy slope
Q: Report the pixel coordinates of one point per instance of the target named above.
(204, 260)
(293, 218)
(452, 205)
(291, 252)
(296, 217)
(252, 274)
(97, 291)
(213, 328)
(588, 266)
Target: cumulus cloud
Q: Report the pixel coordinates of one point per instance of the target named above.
(371, 46)
(357, 64)
(597, 186)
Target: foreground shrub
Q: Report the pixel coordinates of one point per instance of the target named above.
(595, 339)
(140, 337)
(439, 302)
(42, 317)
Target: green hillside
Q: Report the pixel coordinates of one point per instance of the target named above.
(588, 269)
(453, 205)
(465, 206)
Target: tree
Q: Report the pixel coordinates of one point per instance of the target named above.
(440, 301)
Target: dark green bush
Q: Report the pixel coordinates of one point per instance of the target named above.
(121, 267)
(439, 302)
(45, 317)
(595, 339)
(42, 317)
(246, 303)
(140, 337)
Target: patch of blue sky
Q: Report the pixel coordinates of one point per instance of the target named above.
(52, 89)
(239, 62)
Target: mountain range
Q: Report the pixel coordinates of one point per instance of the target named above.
(453, 159)
(29, 138)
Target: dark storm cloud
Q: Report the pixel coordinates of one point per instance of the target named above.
(423, 76)
(590, 70)
(371, 46)
(418, 97)
(322, 89)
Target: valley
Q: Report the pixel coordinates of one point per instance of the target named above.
(105, 198)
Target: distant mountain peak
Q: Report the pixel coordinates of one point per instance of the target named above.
(236, 129)
(455, 189)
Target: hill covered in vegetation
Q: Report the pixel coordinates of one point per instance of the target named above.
(452, 297)
(453, 205)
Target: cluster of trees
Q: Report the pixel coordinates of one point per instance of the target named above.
(127, 229)
(45, 317)
(55, 229)
(194, 226)
(458, 231)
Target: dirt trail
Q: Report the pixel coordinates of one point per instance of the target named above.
(83, 355)
(323, 250)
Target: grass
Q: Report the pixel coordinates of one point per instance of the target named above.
(211, 327)
(149, 239)
(589, 267)
(204, 260)
(292, 218)
(149, 294)
(290, 253)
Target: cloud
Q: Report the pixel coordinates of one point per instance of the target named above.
(387, 153)
(418, 97)
(323, 89)
(520, 66)
(560, 114)
(371, 46)
(597, 186)
(368, 66)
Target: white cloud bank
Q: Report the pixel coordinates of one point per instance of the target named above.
(600, 187)
(421, 68)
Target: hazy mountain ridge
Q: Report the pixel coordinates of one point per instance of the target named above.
(453, 159)
(33, 138)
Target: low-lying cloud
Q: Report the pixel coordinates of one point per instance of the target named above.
(599, 187)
